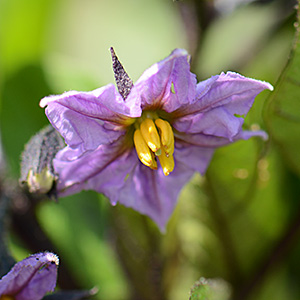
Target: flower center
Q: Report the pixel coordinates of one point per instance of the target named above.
(153, 137)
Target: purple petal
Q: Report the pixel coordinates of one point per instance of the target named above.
(126, 180)
(103, 103)
(220, 103)
(43, 281)
(167, 84)
(31, 278)
(81, 131)
(218, 122)
(211, 141)
(200, 139)
(245, 135)
(96, 170)
(194, 157)
(113, 178)
(86, 120)
(152, 193)
(231, 89)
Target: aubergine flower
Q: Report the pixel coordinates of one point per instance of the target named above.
(140, 144)
(31, 278)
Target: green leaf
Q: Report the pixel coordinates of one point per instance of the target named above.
(20, 115)
(282, 110)
(22, 31)
(211, 289)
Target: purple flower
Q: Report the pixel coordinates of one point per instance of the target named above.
(31, 278)
(141, 145)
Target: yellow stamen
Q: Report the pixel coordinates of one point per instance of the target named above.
(167, 162)
(166, 135)
(150, 134)
(143, 151)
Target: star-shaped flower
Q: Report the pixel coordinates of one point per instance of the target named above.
(31, 278)
(140, 144)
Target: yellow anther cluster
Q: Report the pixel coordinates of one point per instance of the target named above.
(155, 139)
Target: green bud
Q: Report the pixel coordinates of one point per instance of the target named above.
(37, 172)
(210, 289)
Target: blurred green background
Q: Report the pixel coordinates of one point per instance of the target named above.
(228, 223)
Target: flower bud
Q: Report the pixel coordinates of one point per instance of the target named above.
(37, 172)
